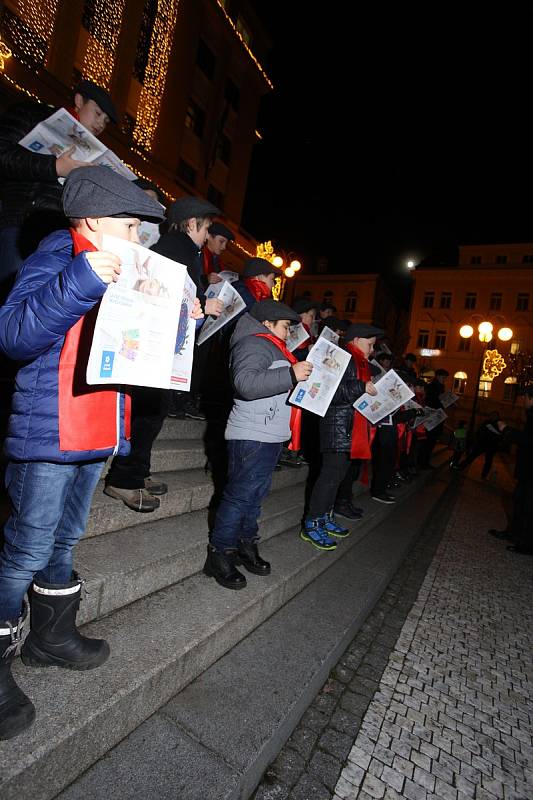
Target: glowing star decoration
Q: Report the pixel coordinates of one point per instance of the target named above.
(5, 53)
(265, 250)
(277, 289)
(493, 365)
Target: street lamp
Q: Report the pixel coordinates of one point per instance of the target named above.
(485, 335)
(290, 267)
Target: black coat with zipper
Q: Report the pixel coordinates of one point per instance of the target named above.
(336, 425)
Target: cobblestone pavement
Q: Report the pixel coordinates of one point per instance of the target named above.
(433, 700)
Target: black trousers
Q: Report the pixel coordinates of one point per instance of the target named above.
(475, 453)
(344, 494)
(148, 410)
(383, 458)
(333, 470)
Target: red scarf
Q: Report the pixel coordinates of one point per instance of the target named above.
(296, 413)
(259, 290)
(362, 431)
(207, 258)
(87, 414)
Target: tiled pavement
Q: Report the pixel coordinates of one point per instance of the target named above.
(433, 700)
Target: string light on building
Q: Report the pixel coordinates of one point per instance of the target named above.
(237, 33)
(156, 73)
(103, 20)
(30, 30)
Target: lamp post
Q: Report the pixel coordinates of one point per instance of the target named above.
(485, 335)
(290, 267)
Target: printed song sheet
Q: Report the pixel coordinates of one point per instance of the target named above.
(392, 393)
(297, 335)
(233, 305)
(431, 418)
(329, 365)
(60, 131)
(329, 335)
(137, 328)
(447, 399)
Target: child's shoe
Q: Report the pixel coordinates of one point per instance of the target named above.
(332, 528)
(314, 532)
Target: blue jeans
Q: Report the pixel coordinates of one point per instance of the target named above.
(50, 505)
(250, 468)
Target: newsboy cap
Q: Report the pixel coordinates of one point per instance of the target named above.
(91, 91)
(273, 311)
(191, 207)
(303, 305)
(362, 330)
(218, 229)
(259, 266)
(100, 192)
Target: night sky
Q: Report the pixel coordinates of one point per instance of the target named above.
(381, 144)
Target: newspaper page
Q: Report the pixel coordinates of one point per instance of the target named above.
(392, 393)
(136, 329)
(229, 275)
(447, 399)
(180, 378)
(432, 417)
(329, 335)
(60, 131)
(233, 305)
(329, 365)
(297, 335)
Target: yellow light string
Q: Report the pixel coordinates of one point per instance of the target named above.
(254, 59)
(39, 17)
(99, 59)
(5, 53)
(156, 73)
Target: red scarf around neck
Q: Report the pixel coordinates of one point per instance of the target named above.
(259, 289)
(362, 431)
(296, 413)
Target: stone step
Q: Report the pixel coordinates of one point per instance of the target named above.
(214, 739)
(182, 429)
(189, 490)
(160, 644)
(126, 565)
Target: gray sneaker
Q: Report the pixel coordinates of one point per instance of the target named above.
(136, 499)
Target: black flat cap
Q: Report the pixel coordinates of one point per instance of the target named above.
(100, 192)
(303, 305)
(336, 324)
(190, 207)
(259, 266)
(147, 185)
(442, 372)
(362, 330)
(91, 91)
(218, 229)
(273, 311)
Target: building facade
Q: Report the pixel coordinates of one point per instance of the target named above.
(491, 283)
(186, 77)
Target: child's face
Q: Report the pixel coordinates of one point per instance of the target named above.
(121, 227)
(280, 328)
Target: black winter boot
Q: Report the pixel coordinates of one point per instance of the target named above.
(248, 556)
(54, 640)
(221, 567)
(17, 712)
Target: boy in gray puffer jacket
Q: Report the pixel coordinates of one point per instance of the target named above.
(263, 373)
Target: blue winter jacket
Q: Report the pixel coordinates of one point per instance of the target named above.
(53, 291)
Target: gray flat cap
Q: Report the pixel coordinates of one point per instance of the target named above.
(273, 311)
(362, 330)
(218, 229)
(189, 207)
(100, 192)
(259, 266)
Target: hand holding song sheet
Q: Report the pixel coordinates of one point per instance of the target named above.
(141, 320)
(329, 365)
(392, 393)
(233, 305)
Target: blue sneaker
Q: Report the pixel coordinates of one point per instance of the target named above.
(315, 533)
(331, 527)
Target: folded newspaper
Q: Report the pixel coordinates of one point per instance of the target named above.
(233, 305)
(61, 131)
(329, 365)
(297, 335)
(447, 399)
(392, 393)
(144, 334)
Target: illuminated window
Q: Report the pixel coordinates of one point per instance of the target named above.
(484, 388)
(445, 299)
(459, 382)
(423, 338)
(522, 301)
(205, 59)
(470, 300)
(515, 348)
(351, 302)
(440, 340)
(495, 301)
(195, 119)
(428, 300)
